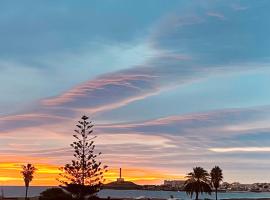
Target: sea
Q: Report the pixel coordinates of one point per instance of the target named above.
(18, 191)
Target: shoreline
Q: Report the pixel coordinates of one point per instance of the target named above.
(37, 197)
(114, 194)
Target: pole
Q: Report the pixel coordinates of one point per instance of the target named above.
(120, 172)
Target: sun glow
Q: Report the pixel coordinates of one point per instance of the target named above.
(46, 175)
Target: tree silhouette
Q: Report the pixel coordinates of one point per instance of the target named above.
(28, 175)
(54, 194)
(84, 175)
(216, 178)
(197, 182)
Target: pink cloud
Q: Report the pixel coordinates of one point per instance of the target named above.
(105, 90)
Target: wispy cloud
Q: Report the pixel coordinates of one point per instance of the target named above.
(226, 122)
(238, 7)
(93, 93)
(216, 15)
(240, 149)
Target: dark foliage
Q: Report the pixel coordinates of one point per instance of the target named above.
(55, 194)
(216, 178)
(197, 182)
(28, 175)
(84, 175)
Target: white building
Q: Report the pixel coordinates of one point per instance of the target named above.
(174, 183)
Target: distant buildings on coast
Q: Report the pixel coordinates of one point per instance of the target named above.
(255, 187)
(121, 184)
(174, 184)
(225, 187)
(178, 185)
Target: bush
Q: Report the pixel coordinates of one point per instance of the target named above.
(54, 194)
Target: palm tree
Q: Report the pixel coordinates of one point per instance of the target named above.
(28, 175)
(197, 182)
(216, 178)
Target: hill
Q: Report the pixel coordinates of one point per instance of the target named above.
(123, 185)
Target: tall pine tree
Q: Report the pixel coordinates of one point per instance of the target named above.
(84, 175)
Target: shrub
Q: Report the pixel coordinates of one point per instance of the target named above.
(54, 194)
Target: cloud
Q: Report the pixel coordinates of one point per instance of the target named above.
(191, 137)
(240, 149)
(183, 48)
(238, 7)
(215, 42)
(31, 119)
(41, 152)
(217, 15)
(225, 122)
(181, 55)
(94, 94)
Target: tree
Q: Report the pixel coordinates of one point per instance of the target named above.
(28, 175)
(54, 194)
(197, 182)
(216, 178)
(84, 175)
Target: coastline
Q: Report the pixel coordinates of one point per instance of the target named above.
(37, 198)
(14, 193)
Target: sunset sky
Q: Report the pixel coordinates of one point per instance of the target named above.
(169, 85)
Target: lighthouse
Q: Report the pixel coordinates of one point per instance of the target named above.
(120, 183)
(120, 179)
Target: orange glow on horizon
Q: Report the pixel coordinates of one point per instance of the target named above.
(46, 175)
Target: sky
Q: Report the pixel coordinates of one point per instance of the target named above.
(169, 85)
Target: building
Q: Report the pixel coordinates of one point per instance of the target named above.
(174, 183)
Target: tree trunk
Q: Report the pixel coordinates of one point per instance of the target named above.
(26, 192)
(216, 193)
(197, 195)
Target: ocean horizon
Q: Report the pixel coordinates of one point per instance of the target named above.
(18, 191)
